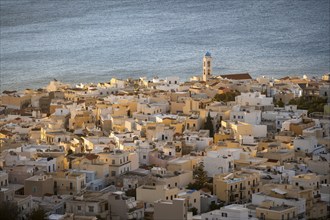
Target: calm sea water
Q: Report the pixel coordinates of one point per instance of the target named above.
(82, 41)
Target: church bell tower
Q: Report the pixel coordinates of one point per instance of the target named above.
(207, 66)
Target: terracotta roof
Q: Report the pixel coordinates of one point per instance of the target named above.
(91, 156)
(237, 76)
(5, 132)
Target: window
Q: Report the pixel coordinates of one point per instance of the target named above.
(144, 157)
(262, 215)
(79, 208)
(113, 161)
(223, 214)
(113, 173)
(90, 208)
(195, 200)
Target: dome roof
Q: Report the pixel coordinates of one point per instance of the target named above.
(208, 54)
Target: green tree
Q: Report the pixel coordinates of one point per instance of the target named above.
(279, 103)
(209, 125)
(226, 97)
(8, 211)
(312, 104)
(193, 210)
(214, 206)
(200, 178)
(37, 214)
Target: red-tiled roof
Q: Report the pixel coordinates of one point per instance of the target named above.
(237, 76)
(91, 156)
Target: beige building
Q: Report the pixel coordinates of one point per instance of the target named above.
(161, 132)
(183, 163)
(91, 163)
(236, 187)
(308, 181)
(39, 185)
(172, 179)
(122, 207)
(24, 204)
(150, 193)
(269, 211)
(117, 160)
(193, 197)
(18, 174)
(308, 204)
(3, 179)
(80, 119)
(298, 127)
(69, 182)
(171, 210)
(16, 101)
(281, 155)
(7, 194)
(90, 204)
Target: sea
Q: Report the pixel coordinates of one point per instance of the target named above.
(92, 41)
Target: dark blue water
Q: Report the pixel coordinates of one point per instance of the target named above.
(82, 41)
